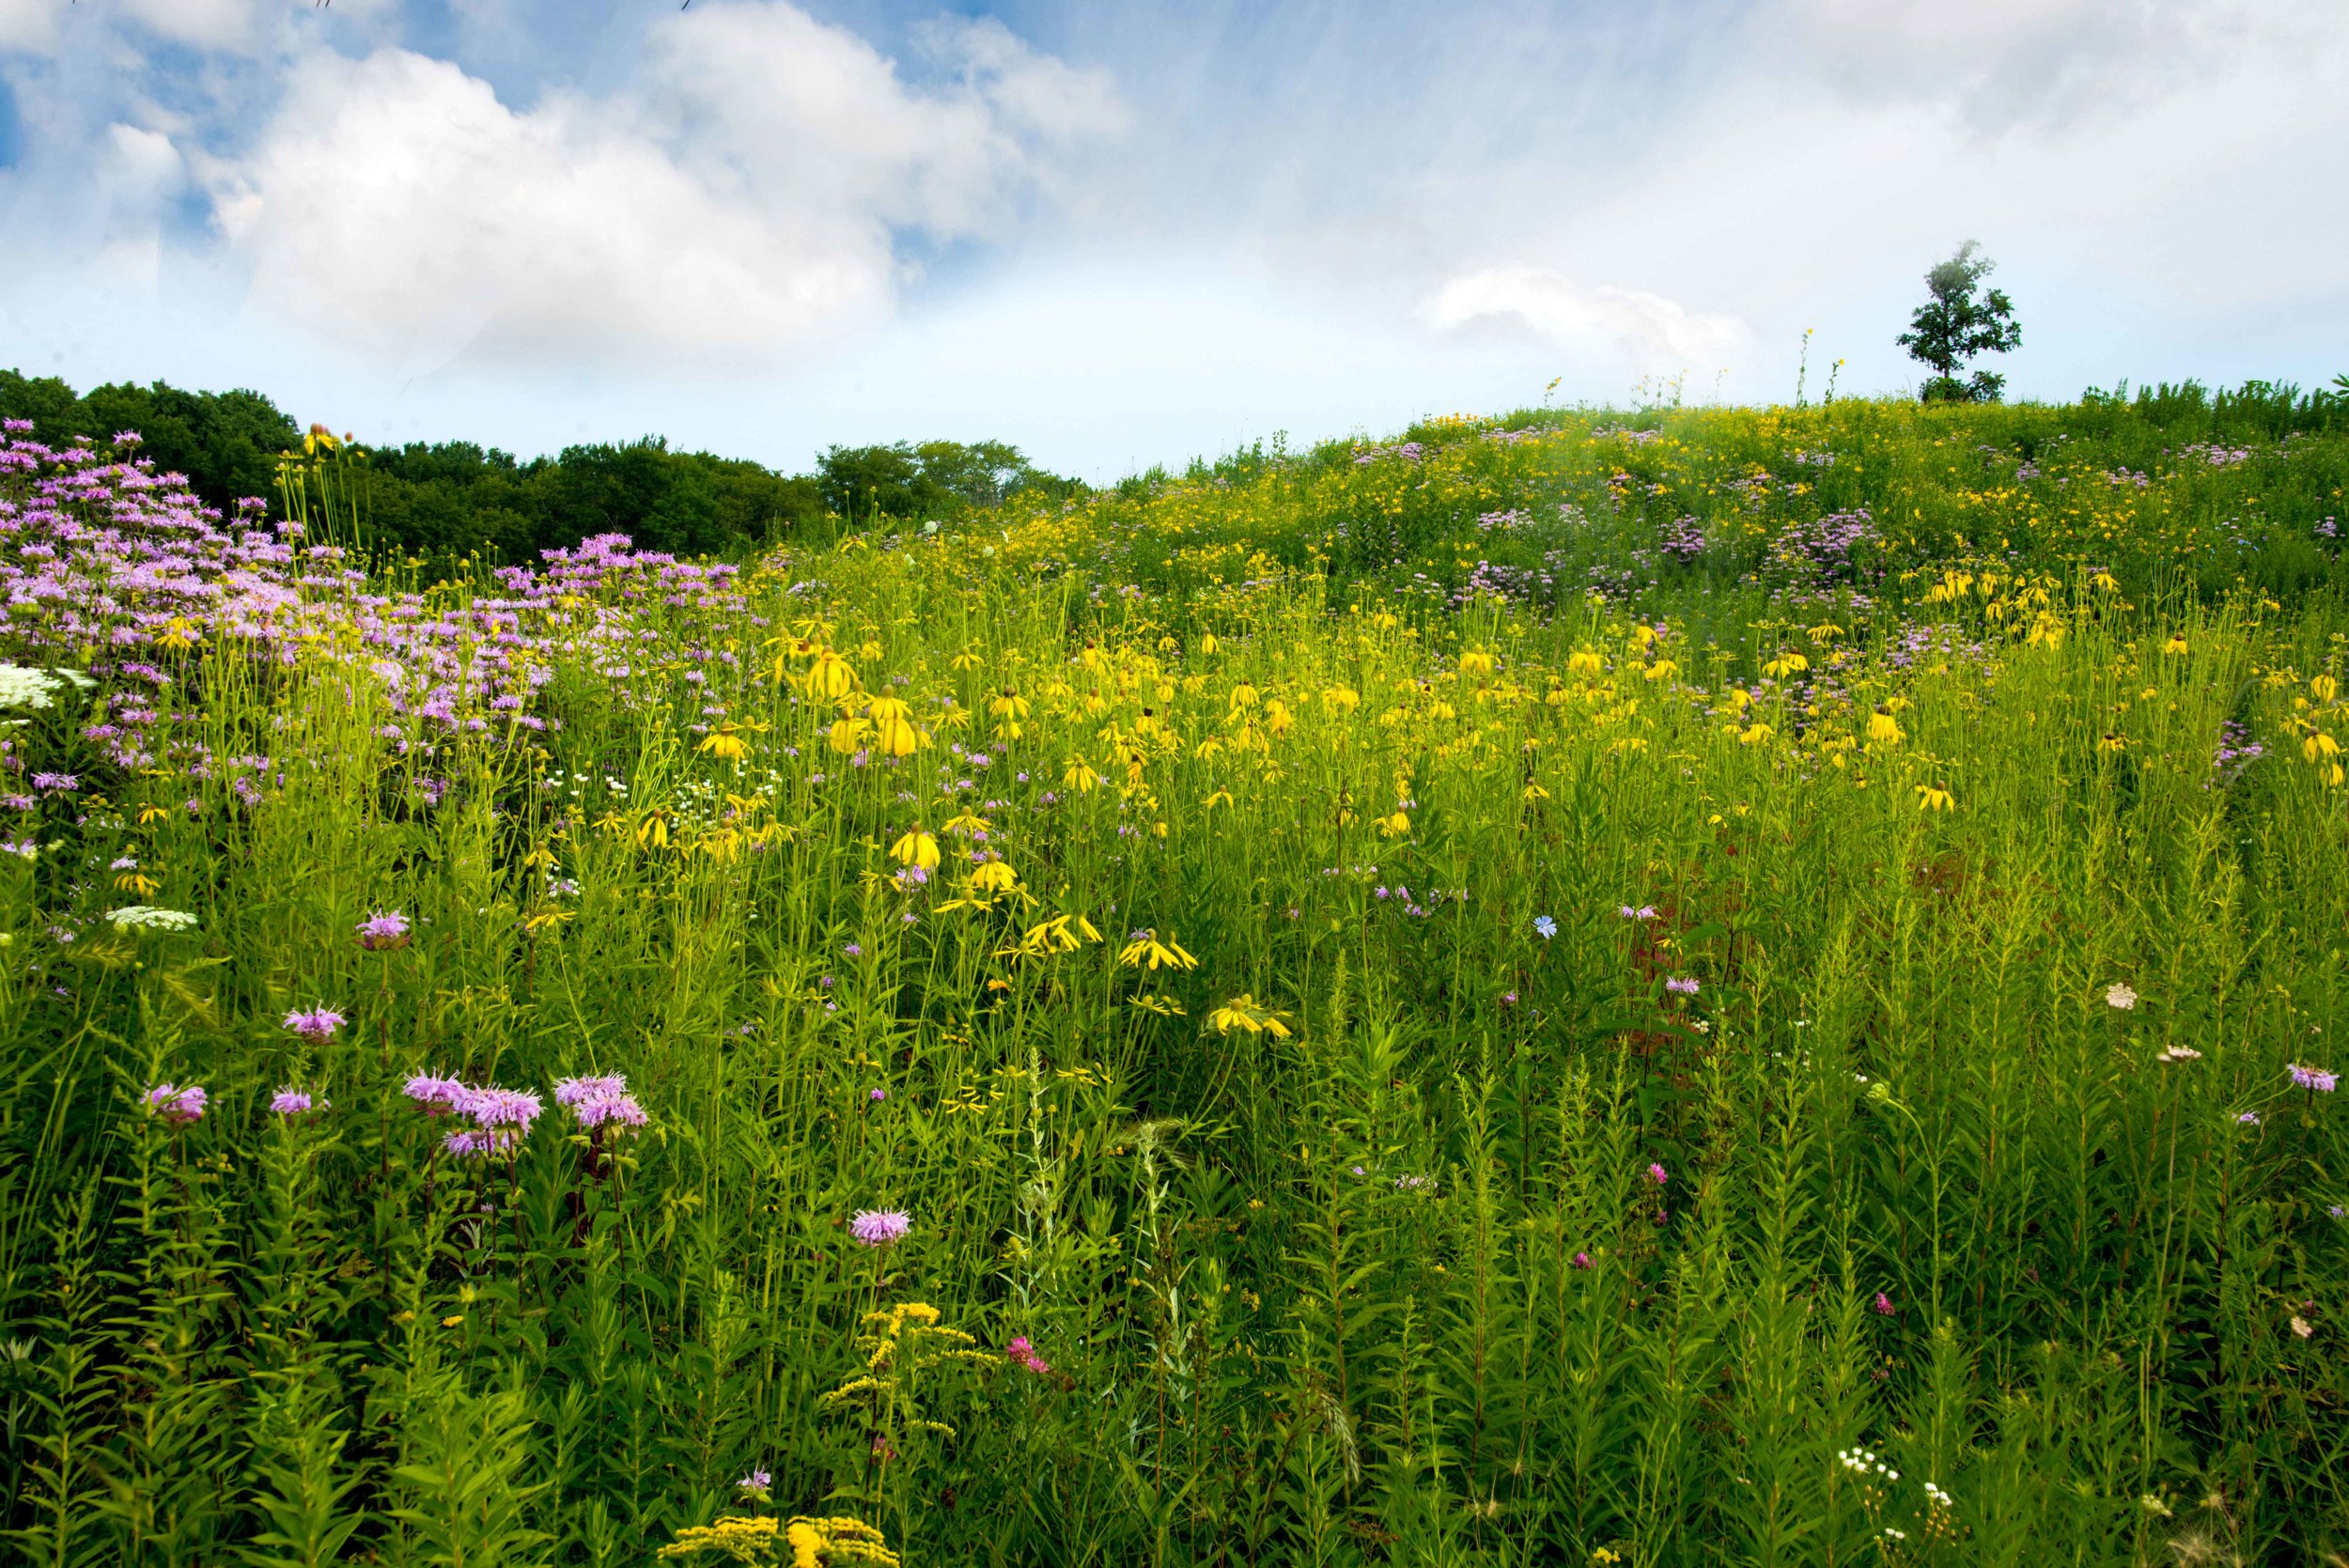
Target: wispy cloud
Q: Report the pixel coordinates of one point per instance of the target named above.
(1641, 331)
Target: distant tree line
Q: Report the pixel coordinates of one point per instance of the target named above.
(455, 497)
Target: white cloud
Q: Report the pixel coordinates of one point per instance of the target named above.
(231, 25)
(1642, 330)
(28, 24)
(2001, 62)
(740, 200)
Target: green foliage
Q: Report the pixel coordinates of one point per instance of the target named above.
(930, 481)
(1500, 1250)
(1956, 324)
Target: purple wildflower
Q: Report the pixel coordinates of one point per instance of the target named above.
(318, 1024)
(177, 1104)
(437, 1096)
(293, 1102)
(1685, 984)
(2315, 1078)
(1657, 1174)
(754, 1485)
(384, 930)
(1884, 1304)
(880, 1227)
(1022, 1354)
(1582, 1260)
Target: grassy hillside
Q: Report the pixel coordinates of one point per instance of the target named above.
(1752, 986)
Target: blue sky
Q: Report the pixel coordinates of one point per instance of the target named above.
(1119, 235)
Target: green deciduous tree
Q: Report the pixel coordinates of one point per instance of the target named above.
(1958, 322)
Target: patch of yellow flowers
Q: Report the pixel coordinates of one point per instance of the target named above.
(812, 1543)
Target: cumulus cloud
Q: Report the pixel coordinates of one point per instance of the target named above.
(1644, 330)
(740, 198)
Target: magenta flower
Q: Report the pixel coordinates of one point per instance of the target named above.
(880, 1227)
(1884, 1304)
(1657, 1174)
(502, 1109)
(318, 1024)
(878, 1095)
(572, 1091)
(177, 1104)
(437, 1096)
(1582, 1260)
(600, 1102)
(384, 930)
(1020, 1353)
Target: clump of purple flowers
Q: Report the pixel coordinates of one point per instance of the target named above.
(1682, 540)
(1683, 984)
(318, 1024)
(599, 1102)
(1020, 1353)
(879, 1228)
(500, 1118)
(290, 1102)
(2314, 1078)
(178, 1104)
(384, 930)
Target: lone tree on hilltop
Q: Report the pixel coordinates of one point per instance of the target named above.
(1956, 324)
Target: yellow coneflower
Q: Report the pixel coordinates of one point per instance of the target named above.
(1242, 1012)
(916, 848)
(1148, 951)
(1934, 797)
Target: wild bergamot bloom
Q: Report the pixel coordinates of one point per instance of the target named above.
(879, 1228)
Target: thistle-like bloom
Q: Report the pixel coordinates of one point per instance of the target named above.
(177, 1104)
(514, 1109)
(294, 1102)
(600, 1102)
(2315, 1078)
(880, 1227)
(437, 1096)
(318, 1024)
(1685, 984)
(384, 930)
(574, 1091)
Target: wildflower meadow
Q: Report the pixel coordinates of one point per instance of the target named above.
(1691, 986)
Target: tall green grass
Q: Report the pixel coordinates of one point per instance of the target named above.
(1897, 1240)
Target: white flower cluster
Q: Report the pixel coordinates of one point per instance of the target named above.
(1864, 1463)
(1936, 1497)
(21, 687)
(148, 917)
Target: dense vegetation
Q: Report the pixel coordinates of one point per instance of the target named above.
(1752, 986)
(446, 499)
